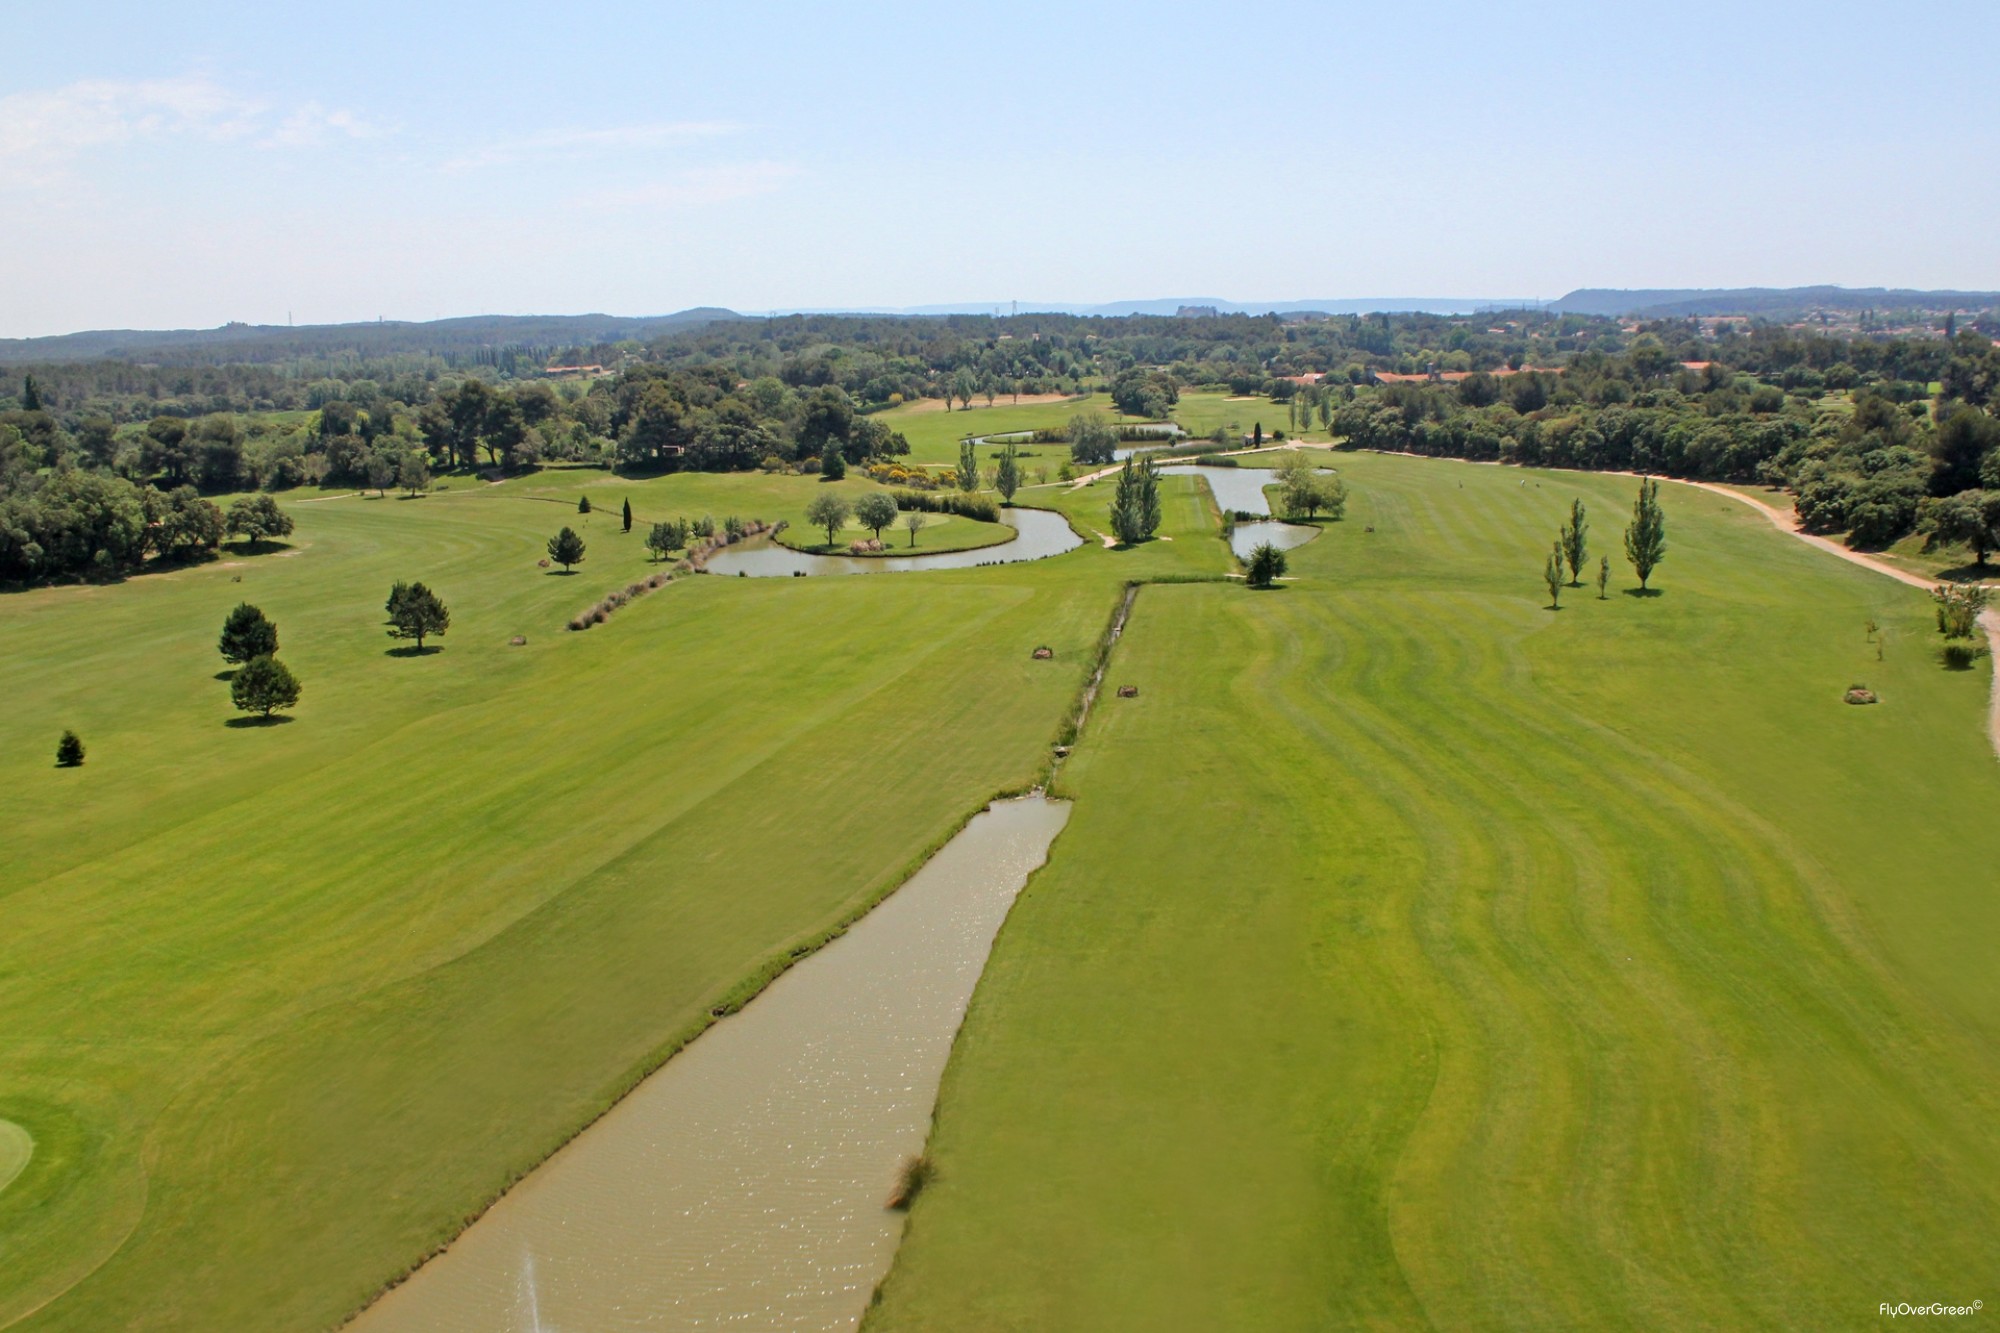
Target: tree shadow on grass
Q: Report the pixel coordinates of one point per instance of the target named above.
(411, 650)
(230, 674)
(564, 573)
(1644, 592)
(1967, 573)
(244, 723)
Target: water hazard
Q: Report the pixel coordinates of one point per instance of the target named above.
(1041, 534)
(1240, 490)
(742, 1186)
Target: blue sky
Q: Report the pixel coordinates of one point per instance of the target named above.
(181, 165)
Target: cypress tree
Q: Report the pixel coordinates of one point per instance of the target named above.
(628, 516)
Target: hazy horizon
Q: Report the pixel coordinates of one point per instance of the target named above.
(184, 168)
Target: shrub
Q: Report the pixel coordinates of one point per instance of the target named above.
(964, 504)
(69, 751)
(1267, 566)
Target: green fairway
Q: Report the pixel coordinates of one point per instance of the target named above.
(1417, 956)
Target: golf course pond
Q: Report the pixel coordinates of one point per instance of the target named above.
(1240, 490)
(1041, 534)
(744, 1184)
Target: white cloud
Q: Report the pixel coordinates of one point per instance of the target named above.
(42, 130)
(616, 138)
(692, 188)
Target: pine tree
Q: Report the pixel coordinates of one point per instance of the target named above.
(1646, 538)
(69, 751)
(833, 464)
(1575, 547)
(31, 395)
(417, 614)
(566, 548)
(628, 516)
(246, 633)
(264, 685)
(583, 505)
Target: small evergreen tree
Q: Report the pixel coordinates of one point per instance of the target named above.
(1007, 477)
(1646, 538)
(566, 548)
(583, 505)
(968, 467)
(417, 614)
(69, 751)
(832, 464)
(264, 685)
(1267, 565)
(246, 633)
(1575, 546)
(31, 395)
(628, 516)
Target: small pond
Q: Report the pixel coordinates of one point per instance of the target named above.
(1241, 490)
(1042, 534)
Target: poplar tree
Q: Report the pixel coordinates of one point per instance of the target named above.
(1603, 575)
(968, 465)
(1007, 477)
(1646, 538)
(1574, 546)
(1552, 574)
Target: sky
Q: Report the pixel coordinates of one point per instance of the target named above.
(178, 166)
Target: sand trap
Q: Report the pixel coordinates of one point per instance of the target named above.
(16, 1147)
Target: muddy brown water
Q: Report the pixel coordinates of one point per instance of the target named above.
(742, 1186)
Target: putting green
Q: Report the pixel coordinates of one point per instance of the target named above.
(16, 1147)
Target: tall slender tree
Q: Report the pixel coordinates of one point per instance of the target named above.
(1646, 537)
(968, 466)
(1552, 574)
(1575, 543)
(628, 515)
(1007, 477)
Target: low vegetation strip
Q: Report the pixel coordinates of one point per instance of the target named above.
(1522, 968)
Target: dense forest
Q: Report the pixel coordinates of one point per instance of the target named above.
(1875, 433)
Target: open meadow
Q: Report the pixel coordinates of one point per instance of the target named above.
(1414, 955)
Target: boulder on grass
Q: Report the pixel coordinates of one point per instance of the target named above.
(1128, 691)
(1860, 694)
(1044, 653)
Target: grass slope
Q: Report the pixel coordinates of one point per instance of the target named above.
(1418, 956)
(282, 1006)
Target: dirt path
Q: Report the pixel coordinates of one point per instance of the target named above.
(1987, 619)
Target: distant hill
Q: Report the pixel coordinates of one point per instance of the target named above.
(253, 343)
(1771, 302)
(1428, 305)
